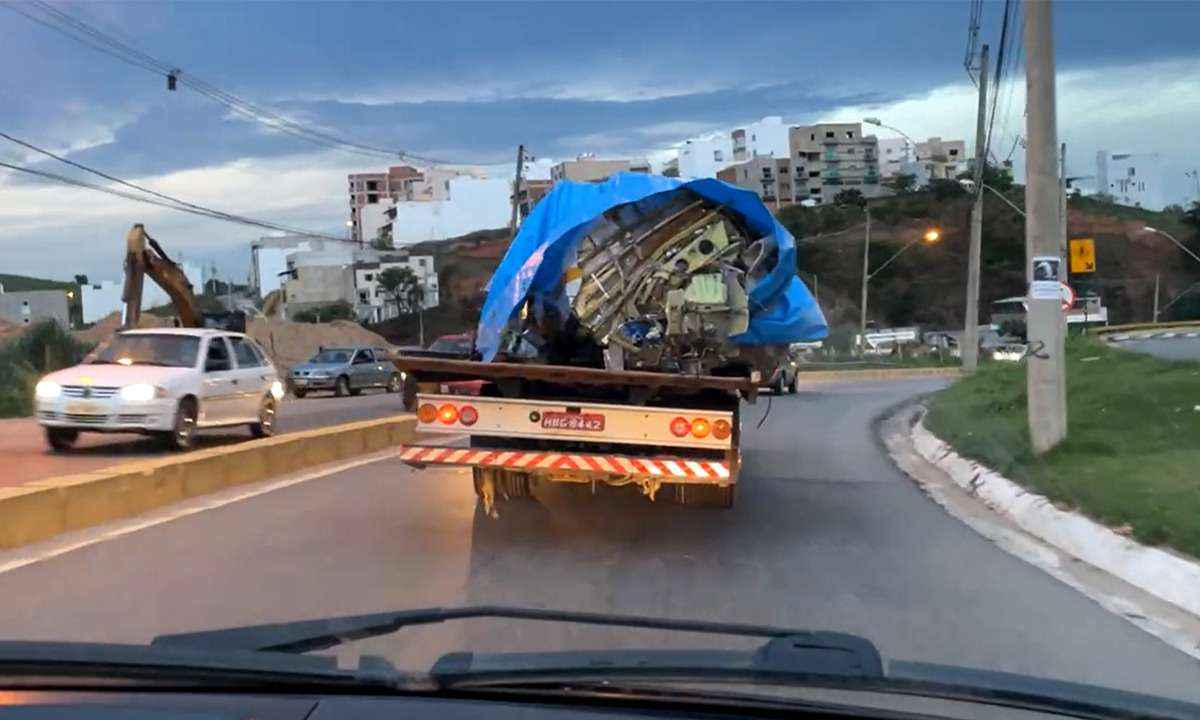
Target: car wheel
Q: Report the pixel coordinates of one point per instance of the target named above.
(342, 388)
(299, 393)
(795, 386)
(265, 427)
(778, 387)
(394, 384)
(356, 391)
(183, 432)
(61, 439)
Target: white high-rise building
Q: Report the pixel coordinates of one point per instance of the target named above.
(704, 157)
(767, 137)
(1131, 178)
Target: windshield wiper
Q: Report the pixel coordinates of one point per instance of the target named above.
(789, 657)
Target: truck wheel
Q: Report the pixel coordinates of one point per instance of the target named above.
(394, 385)
(183, 435)
(342, 388)
(709, 496)
(61, 439)
(265, 427)
(299, 393)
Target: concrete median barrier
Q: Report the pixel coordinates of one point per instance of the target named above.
(44, 508)
(816, 376)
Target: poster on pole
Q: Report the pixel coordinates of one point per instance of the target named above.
(1045, 285)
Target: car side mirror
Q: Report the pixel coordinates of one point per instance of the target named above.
(216, 365)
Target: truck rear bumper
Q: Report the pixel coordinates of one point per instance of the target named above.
(581, 466)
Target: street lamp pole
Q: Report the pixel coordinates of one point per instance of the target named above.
(1170, 237)
(878, 123)
(862, 322)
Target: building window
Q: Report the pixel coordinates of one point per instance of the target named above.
(815, 191)
(851, 151)
(372, 185)
(369, 277)
(372, 199)
(814, 173)
(812, 137)
(1132, 172)
(953, 152)
(363, 297)
(849, 134)
(753, 138)
(829, 133)
(718, 156)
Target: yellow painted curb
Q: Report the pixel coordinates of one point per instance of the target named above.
(880, 374)
(44, 508)
(1134, 327)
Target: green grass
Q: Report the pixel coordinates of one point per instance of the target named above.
(42, 348)
(23, 283)
(1132, 453)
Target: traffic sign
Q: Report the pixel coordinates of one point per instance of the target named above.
(1067, 296)
(1083, 255)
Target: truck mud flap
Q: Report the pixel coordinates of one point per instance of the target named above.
(666, 469)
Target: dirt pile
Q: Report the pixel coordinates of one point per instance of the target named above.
(289, 343)
(110, 323)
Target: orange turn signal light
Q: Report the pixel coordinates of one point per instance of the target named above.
(448, 414)
(701, 428)
(427, 413)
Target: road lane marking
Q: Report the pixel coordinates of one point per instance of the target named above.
(47, 549)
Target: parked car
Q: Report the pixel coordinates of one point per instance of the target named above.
(167, 381)
(785, 378)
(346, 371)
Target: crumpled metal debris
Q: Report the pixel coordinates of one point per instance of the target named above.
(662, 286)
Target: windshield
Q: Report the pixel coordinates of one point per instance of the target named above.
(143, 349)
(332, 357)
(861, 317)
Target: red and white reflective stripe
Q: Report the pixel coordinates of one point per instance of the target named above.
(664, 467)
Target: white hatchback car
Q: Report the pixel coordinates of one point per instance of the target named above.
(168, 381)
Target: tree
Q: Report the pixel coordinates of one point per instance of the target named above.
(403, 287)
(995, 177)
(81, 280)
(1192, 216)
(382, 243)
(902, 183)
(850, 196)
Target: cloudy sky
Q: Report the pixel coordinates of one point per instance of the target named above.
(467, 82)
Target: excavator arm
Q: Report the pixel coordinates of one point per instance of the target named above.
(144, 256)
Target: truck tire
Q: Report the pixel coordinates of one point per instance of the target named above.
(299, 393)
(709, 496)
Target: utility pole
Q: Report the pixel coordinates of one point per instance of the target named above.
(1156, 276)
(862, 322)
(970, 336)
(516, 198)
(1046, 367)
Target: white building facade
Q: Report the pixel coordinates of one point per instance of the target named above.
(372, 301)
(1131, 178)
(704, 157)
(767, 137)
(472, 204)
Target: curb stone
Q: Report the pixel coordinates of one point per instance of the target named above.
(1164, 574)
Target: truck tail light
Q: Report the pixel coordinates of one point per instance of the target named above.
(427, 413)
(721, 429)
(701, 428)
(680, 427)
(448, 414)
(468, 415)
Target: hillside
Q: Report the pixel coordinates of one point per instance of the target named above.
(23, 283)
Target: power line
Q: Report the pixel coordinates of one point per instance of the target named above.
(171, 205)
(1000, 59)
(96, 39)
(973, 23)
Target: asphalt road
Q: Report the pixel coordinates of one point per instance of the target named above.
(826, 534)
(1169, 345)
(26, 456)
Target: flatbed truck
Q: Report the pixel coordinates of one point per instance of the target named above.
(675, 436)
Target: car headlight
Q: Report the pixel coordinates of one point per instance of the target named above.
(47, 390)
(141, 392)
(277, 390)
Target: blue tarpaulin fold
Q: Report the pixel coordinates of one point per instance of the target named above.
(781, 308)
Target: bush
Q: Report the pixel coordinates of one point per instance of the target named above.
(42, 348)
(340, 310)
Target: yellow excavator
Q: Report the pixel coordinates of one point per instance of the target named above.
(145, 257)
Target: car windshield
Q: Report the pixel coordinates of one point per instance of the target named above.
(147, 349)
(332, 357)
(868, 317)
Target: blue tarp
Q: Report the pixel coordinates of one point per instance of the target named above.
(781, 308)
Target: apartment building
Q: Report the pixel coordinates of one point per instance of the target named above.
(768, 177)
(938, 159)
(32, 306)
(768, 136)
(895, 157)
(531, 192)
(704, 157)
(372, 303)
(588, 168)
(830, 157)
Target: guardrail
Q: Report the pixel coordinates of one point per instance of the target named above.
(44, 508)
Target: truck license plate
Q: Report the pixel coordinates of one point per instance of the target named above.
(592, 422)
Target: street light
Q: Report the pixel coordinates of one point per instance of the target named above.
(930, 237)
(879, 123)
(1178, 244)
